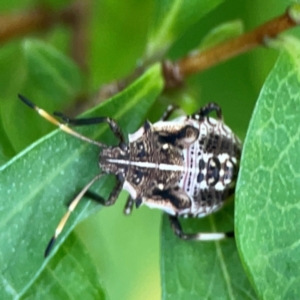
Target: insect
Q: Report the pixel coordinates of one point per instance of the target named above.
(186, 167)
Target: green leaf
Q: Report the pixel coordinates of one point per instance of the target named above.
(52, 72)
(3, 158)
(11, 76)
(221, 34)
(36, 185)
(203, 270)
(51, 78)
(268, 189)
(171, 19)
(6, 149)
(56, 4)
(68, 275)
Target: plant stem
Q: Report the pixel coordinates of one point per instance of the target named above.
(75, 16)
(12, 26)
(176, 72)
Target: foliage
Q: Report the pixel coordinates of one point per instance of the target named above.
(267, 208)
(110, 256)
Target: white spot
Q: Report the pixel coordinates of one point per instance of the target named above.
(212, 163)
(161, 186)
(223, 157)
(234, 160)
(127, 211)
(227, 181)
(203, 185)
(229, 164)
(201, 215)
(211, 180)
(219, 186)
(165, 146)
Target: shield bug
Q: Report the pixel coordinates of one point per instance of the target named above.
(186, 167)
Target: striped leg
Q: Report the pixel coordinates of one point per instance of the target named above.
(128, 206)
(66, 216)
(168, 112)
(214, 236)
(111, 199)
(207, 109)
(94, 120)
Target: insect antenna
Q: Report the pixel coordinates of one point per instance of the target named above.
(62, 126)
(71, 207)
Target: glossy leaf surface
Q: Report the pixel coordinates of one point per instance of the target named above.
(268, 191)
(36, 185)
(171, 19)
(203, 270)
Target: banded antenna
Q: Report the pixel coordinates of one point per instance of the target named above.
(77, 199)
(62, 126)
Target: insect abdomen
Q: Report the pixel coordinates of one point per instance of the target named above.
(211, 165)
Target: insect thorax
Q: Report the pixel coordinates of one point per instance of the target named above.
(183, 167)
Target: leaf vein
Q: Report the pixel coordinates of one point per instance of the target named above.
(222, 262)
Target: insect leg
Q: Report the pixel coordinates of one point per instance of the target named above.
(114, 194)
(170, 109)
(94, 120)
(214, 236)
(71, 207)
(207, 109)
(128, 206)
(78, 122)
(95, 197)
(111, 199)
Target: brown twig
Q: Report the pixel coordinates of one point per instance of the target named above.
(75, 16)
(176, 72)
(12, 26)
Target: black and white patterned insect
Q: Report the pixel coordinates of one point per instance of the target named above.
(186, 167)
